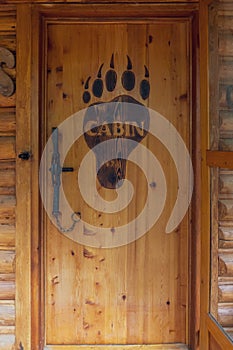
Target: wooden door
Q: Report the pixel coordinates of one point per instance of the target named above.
(135, 293)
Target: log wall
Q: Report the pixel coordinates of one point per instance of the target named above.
(221, 125)
(7, 188)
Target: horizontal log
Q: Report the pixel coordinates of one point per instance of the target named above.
(8, 41)
(225, 23)
(225, 280)
(7, 341)
(225, 244)
(7, 210)
(7, 178)
(226, 184)
(7, 290)
(7, 148)
(225, 209)
(225, 96)
(226, 264)
(7, 329)
(8, 21)
(7, 313)
(225, 293)
(219, 159)
(226, 144)
(7, 122)
(9, 191)
(7, 277)
(7, 262)
(225, 46)
(7, 101)
(226, 70)
(7, 217)
(225, 314)
(226, 124)
(226, 233)
(7, 241)
(7, 201)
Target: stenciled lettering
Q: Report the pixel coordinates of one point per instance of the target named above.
(117, 129)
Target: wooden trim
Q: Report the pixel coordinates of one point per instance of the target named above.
(113, 11)
(205, 191)
(37, 337)
(218, 333)
(194, 245)
(219, 159)
(23, 180)
(209, 159)
(119, 347)
(93, 1)
(36, 278)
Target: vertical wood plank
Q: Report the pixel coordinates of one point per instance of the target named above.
(195, 240)
(205, 211)
(37, 286)
(23, 179)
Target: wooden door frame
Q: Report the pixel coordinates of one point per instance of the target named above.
(30, 87)
(209, 326)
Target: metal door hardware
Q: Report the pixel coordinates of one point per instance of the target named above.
(56, 170)
(25, 155)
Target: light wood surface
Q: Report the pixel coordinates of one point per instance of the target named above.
(136, 293)
(23, 181)
(122, 347)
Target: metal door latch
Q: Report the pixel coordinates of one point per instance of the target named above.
(25, 155)
(56, 171)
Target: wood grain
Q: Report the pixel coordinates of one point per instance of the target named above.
(219, 159)
(147, 286)
(7, 148)
(7, 122)
(7, 178)
(7, 313)
(225, 314)
(7, 341)
(123, 347)
(225, 293)
(7, 262)
(23, 181)
(205, 176)
(7, 189)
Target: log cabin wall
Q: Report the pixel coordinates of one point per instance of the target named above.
(221, 129)
(7, 184)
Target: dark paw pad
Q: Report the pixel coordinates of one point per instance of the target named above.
(128, 81)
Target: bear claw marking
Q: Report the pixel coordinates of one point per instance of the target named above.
(111, 76)
(98, 85)
(128, 77)
(127, 80)
(145, 86)
(86, 94)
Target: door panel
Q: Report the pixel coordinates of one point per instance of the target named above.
(135, 293)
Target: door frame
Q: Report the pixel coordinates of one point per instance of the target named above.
(30, 87)
(211, 331)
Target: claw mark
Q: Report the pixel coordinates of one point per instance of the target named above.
(98, 85)
(128, 77)
(86, 94)
(111, 76)
(145, 86)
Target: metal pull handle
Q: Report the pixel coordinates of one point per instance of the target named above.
(25, 155)
(56, 170)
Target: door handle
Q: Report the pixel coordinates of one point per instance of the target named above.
(25, 155)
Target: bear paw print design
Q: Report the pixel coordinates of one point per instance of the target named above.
(128, 81)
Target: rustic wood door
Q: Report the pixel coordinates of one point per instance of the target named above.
(135, 292)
